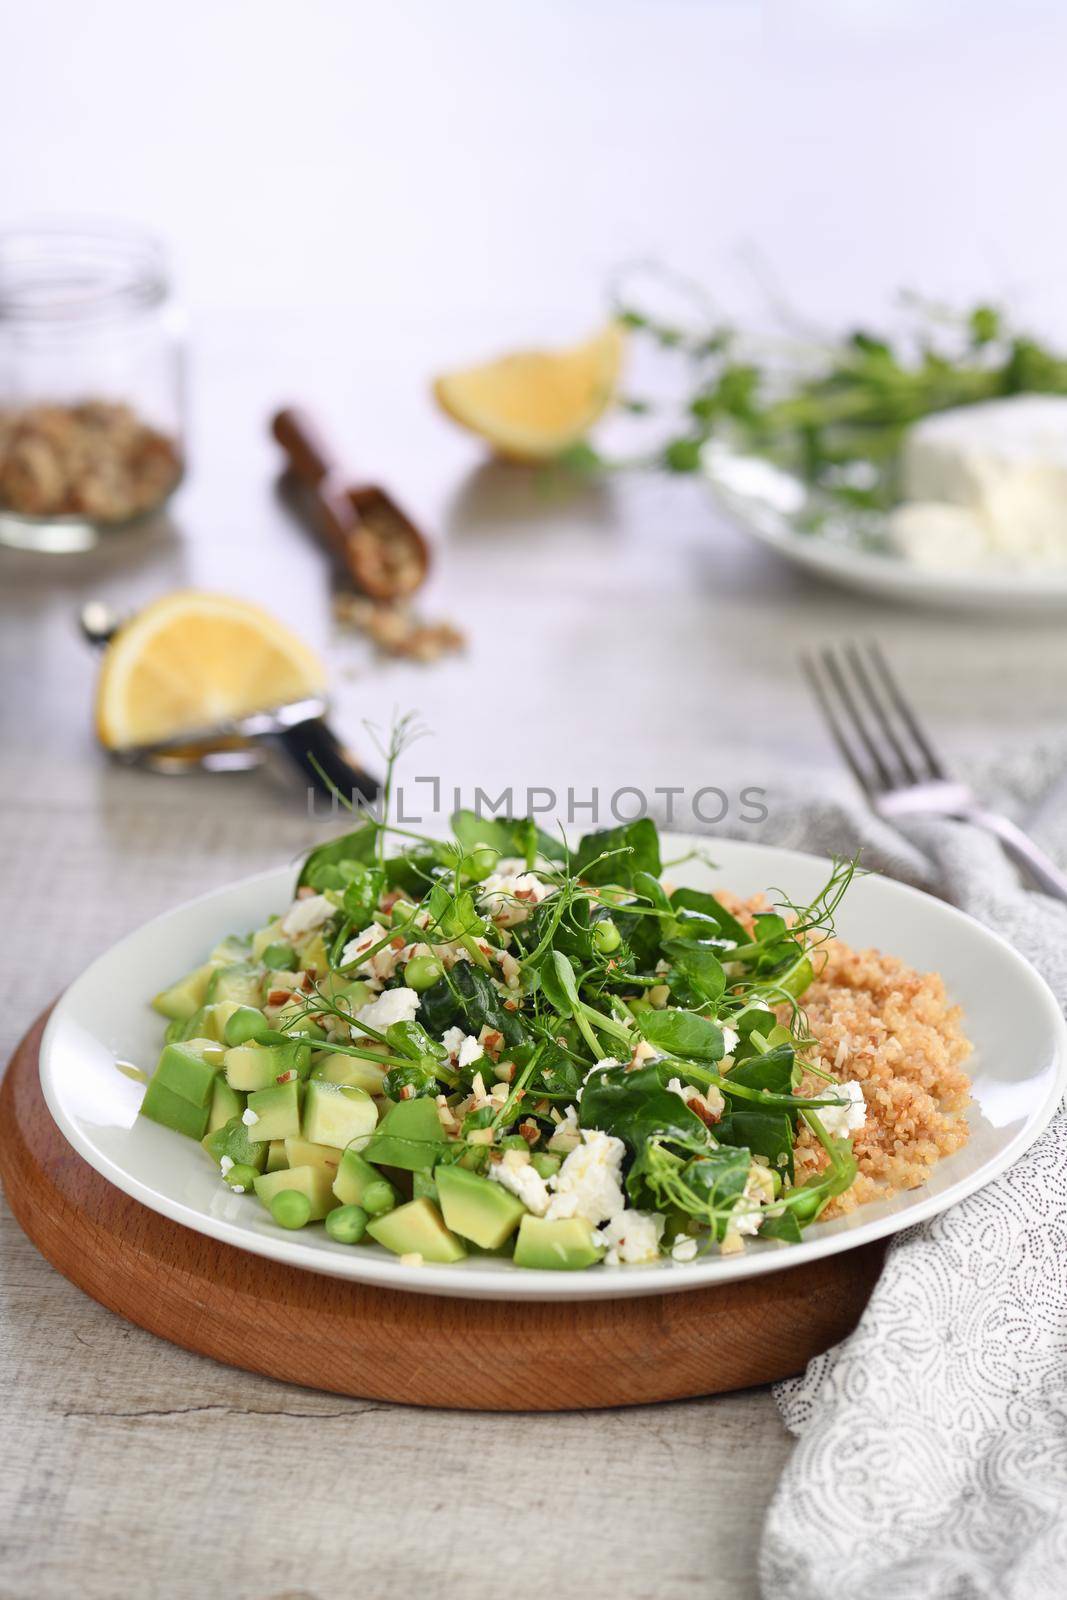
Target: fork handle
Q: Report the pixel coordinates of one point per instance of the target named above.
(1022, 849)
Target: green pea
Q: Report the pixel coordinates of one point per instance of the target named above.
(544, 1165)
(346, 1224)
(290, 1208)
(279, 957)
(378, 1198)
(478, 864)
(606, 936)
(241, 1177)
(422, 972)
(513, 1141)
(246, 1025)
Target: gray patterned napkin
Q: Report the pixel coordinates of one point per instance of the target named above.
(931, 1461)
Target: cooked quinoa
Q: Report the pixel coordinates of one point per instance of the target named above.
(894, 1031)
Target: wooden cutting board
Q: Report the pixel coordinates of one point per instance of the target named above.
(385, 1345)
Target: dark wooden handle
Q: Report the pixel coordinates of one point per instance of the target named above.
(309, 454)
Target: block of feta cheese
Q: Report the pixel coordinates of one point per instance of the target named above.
(986, 484)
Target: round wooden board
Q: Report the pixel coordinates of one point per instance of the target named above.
(413, 1348)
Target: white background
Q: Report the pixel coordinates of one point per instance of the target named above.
(505, 157)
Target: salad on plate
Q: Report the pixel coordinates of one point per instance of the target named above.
(499, 1044)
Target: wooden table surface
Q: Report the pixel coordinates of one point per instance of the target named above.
(617, 635)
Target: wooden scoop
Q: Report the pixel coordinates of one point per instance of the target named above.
(379, 548)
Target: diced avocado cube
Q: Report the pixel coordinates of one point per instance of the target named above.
(354, 1176)
(232, 1140)
(311, 1181)
(312, 955)
(418, 1226)
(186, 1070)
(479, 1209)
(337, 1113)
(276, 1112)
(302, 1153)
(225, 1103)
(240, 982)
(336, 1068)
(563, 1245)
(252, 1066)
(410, 1135)
(544, 1165)
(277, 1160)
(215, 1017)
(171, 1110)
(186, 996)
(263, 937)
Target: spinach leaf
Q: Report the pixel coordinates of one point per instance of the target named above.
(480, 1004)
(784, 1226)
(357, 846)
(420, 1076)
(707, 906)
(439, 1007)
(765, 1130)
(512, 836)
(639, 838)
(635, 1107)
(411, 1039)
(699, 965)
(718, 1180)
(682, 1033)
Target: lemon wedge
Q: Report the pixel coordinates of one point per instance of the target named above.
(532, 405)
(191, 661)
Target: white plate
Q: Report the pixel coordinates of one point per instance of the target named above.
(1018, 1068)
(766, 503)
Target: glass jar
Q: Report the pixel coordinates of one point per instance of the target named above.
(92, 350)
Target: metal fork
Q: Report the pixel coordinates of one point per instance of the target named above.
(892, 760)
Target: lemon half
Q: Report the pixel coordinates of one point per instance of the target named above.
(532, 405)
(191, 661)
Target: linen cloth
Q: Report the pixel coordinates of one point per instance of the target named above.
(932, 1444)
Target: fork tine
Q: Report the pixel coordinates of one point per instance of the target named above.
(837, 731)
(838, 678)
(904, 711)
(859, 670)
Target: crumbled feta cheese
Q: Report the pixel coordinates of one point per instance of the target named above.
(509, 892)
(515, 1173)
(632, 1237)
(237, 1188)
(470, 1051)
(307, 914)
(225, 1163)
(395, 1005)
(588, 1184)
(730, 1038)
(452, 1040)
(249, 1117)
(840, 1121)
(598, 1066)
(684, 1249)
(359, 946)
